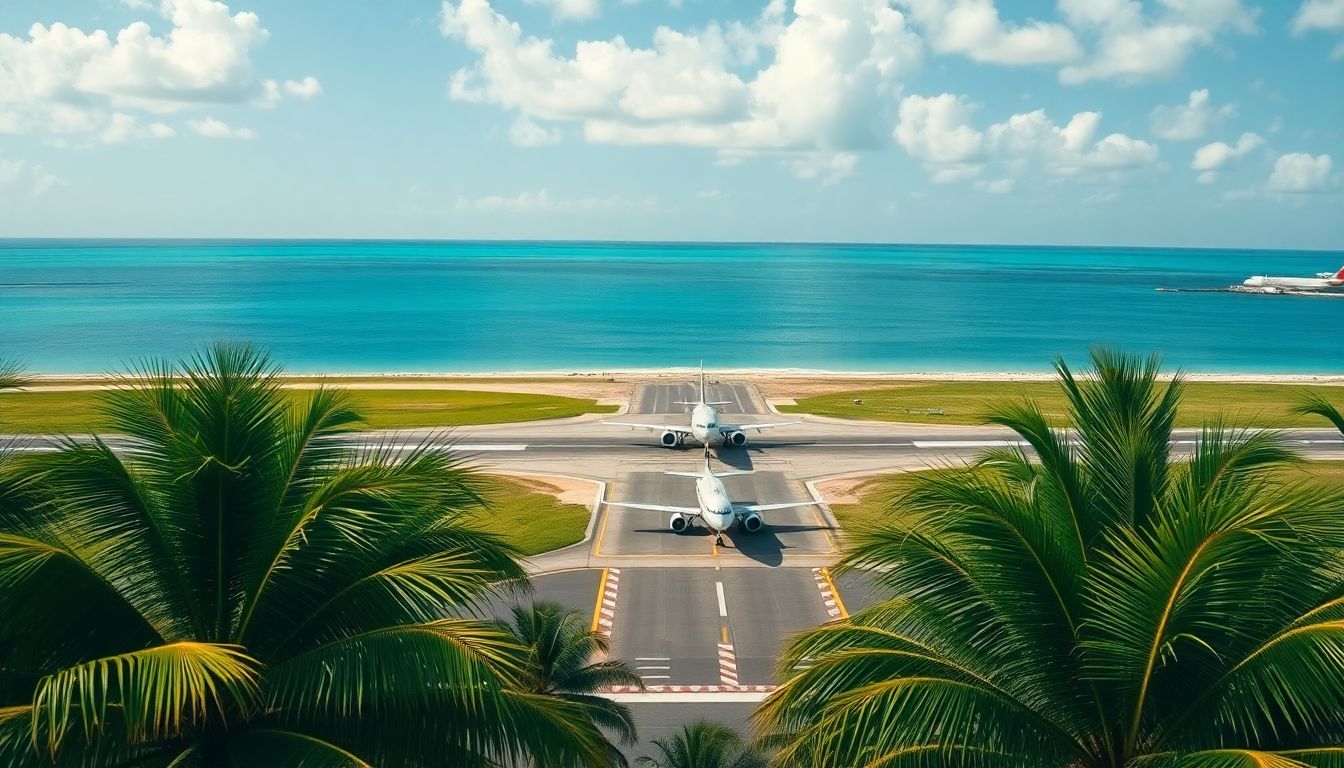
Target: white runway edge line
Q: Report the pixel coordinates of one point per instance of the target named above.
(607, 614)
(827, 597)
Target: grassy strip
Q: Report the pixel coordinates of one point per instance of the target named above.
(1254, 405)
(877, 495)
(41, 412)
(528, 516)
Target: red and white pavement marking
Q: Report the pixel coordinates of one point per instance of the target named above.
(607, 613)
(727, 665)
(692, 689)
(827, 596)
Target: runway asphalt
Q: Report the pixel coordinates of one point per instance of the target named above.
(703, 624)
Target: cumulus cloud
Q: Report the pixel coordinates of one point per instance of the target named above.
(218, 129)
(569, 10)
(27, 178)
(525, 133)
(1211, 158)
(1133, 45)
(59, 79)
(123, 127)
(1190, 120)
(544, 201)
(973, 28)
(1300, 173)
(937, 131)
(829, 167)
(1322, 15)
(307, 88)
(1319, 14)
(811, 80)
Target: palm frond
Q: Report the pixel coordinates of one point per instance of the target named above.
(1244, 758)
(280, 747)
(12, 373)
(1315, 404)
(157, 692)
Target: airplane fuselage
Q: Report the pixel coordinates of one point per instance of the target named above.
(716, 509)
(1270, 284)
(705, 425)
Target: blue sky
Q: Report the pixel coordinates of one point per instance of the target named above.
(1215, 123)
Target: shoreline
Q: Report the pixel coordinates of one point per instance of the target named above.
(403, 378)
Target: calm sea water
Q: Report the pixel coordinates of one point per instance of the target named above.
(85, 306)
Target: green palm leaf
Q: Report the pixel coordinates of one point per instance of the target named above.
(1099, 602)
(242, 585)
(158, 692)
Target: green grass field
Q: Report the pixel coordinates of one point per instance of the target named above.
(39, 412)
(1256, 405)
(530, 518)
(876, 495)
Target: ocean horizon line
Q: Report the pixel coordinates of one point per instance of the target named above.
(195, 239)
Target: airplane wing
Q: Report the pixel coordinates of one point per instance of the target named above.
(768, 507)
(725, 428)
(683, 430)
(687, 511)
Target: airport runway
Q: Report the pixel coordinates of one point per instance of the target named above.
(703, 624)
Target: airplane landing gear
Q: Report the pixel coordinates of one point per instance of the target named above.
(718, 539)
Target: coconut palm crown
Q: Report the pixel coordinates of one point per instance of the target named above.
(238, 585)
(703, 744)
(561, 651)
(1103, 604)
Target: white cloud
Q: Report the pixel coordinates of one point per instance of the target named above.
(973, 28)
(569, 10)
(709, 194)
(306, 88)
(832, 64)
(218, 129)
(937, 132)
(1323, 15)
(1300, 173)
(1188, 121)
(28, 178)
(62, 80)
(1319, 14)
(1211, 158)
(1132, 45)
(544, 201)
(829, 167)
(123, 127)
(525, 133)
(996, 186)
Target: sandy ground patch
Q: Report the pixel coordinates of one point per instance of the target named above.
(566, 490)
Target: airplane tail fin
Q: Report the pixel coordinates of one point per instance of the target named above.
(1339, 276)
(704, 399)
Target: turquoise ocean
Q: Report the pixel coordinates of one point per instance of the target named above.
(408, 306)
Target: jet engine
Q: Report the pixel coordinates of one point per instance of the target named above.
(753, 522)
(670, 439)
(677, 523)
(735, 439)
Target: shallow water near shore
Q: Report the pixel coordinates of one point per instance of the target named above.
(361, 306)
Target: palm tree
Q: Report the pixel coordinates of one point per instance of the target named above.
(241, 585)
(1106, 605)
(560, 655)
(703, 744)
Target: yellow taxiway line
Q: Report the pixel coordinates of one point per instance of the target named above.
(835, 593)
(597, 606)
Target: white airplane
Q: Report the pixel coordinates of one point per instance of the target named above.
(705, 425)
(714, 509)
(1324, 281)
